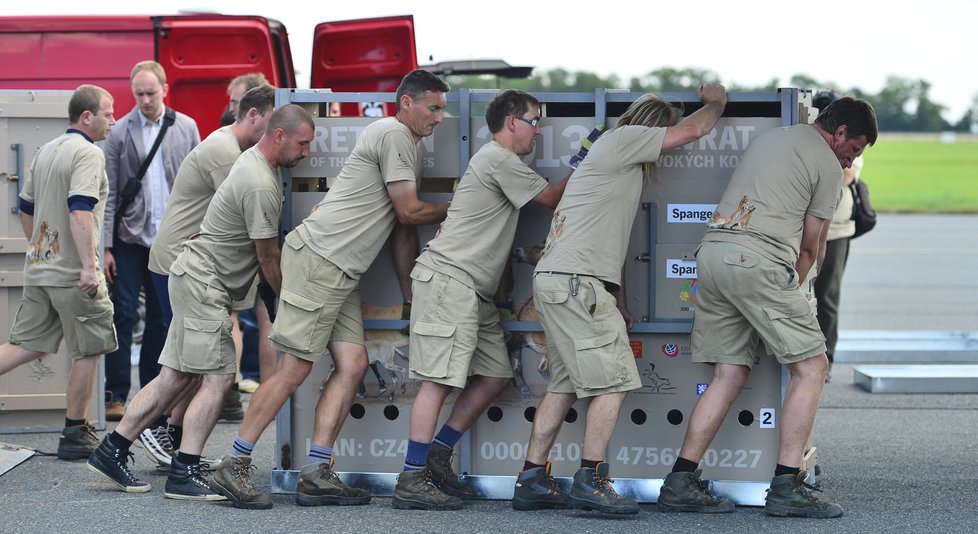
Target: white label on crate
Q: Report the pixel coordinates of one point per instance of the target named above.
(767, 419)
(689, 213)
(681, 269)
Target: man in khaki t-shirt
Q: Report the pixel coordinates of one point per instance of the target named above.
(764, 237)
(455, 330)
(577, 291)
(322, 261)
(60, 209)
(239, 235)
(199, 176)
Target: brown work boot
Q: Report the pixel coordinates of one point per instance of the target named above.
(319, 485)
(415, 490)
(442, 474)
(232, 478)
(114, 410)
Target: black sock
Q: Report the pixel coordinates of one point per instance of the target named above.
(118, 441)
(527, 465)
(74, 422)
(785, 470)
(188, 459)
(176, 436)
(160, 422)
(684, 466)
(589, 464)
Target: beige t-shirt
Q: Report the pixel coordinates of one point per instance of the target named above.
(474, 241)
(785, 174)
(246, 207)
(68, 166)
(353, 221)
(593, 221)
(199, 176)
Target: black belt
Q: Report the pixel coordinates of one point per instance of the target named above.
(608, 286)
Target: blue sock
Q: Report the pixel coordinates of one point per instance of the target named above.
(417, 456)
(318, 453)
(448, 436)
(241, 447)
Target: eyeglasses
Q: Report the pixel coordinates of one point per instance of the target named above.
(531, 122)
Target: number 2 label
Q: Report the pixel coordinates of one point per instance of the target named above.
(767, 418)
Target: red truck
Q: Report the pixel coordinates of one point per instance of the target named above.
(200, 53)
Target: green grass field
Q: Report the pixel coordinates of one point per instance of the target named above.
(922, 176)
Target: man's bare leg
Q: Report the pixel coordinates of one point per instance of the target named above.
(711, 408)
(81, 384)
(203, 411)
(350, 360)
(547, 421)
(271, 395)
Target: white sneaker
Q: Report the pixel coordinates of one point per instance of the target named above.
(158, 444)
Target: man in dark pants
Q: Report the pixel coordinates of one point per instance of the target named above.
(127, 247)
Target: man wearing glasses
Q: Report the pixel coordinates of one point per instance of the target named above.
(456, 338)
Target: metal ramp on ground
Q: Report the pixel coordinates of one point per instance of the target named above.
(911, 361)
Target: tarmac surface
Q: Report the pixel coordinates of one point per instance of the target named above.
(896, 463)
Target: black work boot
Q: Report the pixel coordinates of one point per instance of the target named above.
(687, 492)
(77, 442)
(231, 410)
(790, 496)
(592, 491)
(112, 463)
(536, 489)
(416, 490)
(319, 485)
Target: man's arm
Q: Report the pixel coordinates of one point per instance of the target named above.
(822, 240)
(552, 194)
(26, 224)
(269, 257)
(813, 236)
(714, 98)
(410, 209)
(626, 314)
(82, 224)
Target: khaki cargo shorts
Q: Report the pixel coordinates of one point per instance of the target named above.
(454, 334)
(319, 303)
(587, 341)
(741, 297)
(48, 314)
(199, 338)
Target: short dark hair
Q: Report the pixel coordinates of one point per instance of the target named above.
(856, 114)
(509, 102)
(417, 82)
(261, 98)
(288, 118)
(85, 98)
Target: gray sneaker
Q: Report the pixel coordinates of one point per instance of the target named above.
(77, 442)
(442, 474)
(319, 485)
(592, 491)
(536, 489)
(416, 490)
(232, 478)
(687, 492)
(790, 496)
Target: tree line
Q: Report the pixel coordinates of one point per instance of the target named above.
(903, 105)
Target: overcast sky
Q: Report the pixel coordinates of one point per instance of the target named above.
(850, 43)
